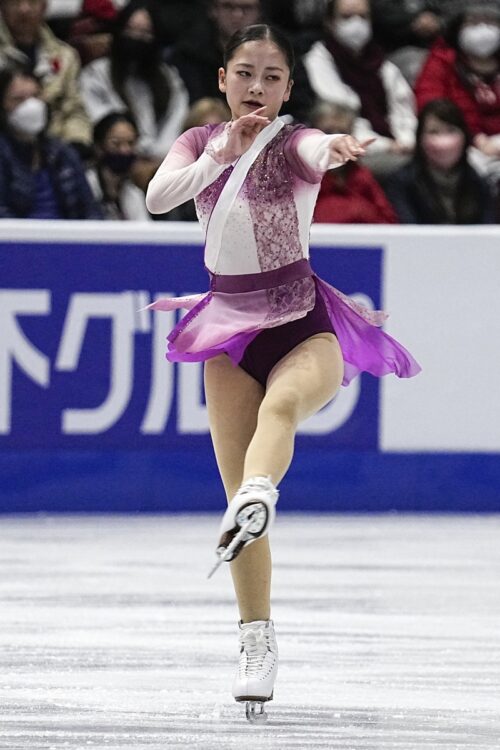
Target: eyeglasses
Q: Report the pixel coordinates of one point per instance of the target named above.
(245, 9)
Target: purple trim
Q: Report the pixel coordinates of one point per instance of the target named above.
(253, 282)
(193, 313)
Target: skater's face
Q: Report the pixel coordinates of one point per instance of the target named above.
(257, 75)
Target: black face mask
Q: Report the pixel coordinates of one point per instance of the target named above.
(118, 163)
(135, 52)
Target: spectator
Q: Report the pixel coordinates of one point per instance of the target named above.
(440, 186)
(115, 144)
(205, 111)
(301, 20)
(350, 69)
(134, 78)
(406, 29)
(198, 55)
(90, 33)
(41, 177)
(465, 67)
(348, 194)
(28, 43)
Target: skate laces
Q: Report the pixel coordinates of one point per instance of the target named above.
(255, 645)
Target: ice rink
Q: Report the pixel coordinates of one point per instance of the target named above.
(112, 637)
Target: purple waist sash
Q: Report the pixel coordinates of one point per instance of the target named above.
(253, 282)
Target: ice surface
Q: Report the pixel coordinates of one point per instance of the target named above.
(111, 636)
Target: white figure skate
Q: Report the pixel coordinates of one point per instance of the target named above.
(257, 669)
(248, 517)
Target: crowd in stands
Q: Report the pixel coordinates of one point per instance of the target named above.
(90, 105)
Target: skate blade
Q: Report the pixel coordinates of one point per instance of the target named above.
(226, 555)
(255, 712)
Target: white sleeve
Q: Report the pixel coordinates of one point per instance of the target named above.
(179, 178)
(314, 150)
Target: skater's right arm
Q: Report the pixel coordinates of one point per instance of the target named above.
(186, 171)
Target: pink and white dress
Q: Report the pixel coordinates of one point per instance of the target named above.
(256, 214)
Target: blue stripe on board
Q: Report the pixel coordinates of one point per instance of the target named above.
(324, 481)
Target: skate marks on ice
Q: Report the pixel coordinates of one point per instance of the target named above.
(388, 629)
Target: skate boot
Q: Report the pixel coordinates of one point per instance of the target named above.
(248, 517)
(257, 669)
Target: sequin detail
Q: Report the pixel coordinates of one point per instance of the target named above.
(269, 191)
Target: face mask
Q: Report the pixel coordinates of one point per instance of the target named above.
(481, 40)
(443, 150)
(118, 163)
(30, 117)
(353, 32)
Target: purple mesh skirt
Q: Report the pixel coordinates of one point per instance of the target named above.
(238, 308)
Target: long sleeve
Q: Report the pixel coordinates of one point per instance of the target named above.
(182, 175)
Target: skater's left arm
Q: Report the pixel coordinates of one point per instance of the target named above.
(320, 152)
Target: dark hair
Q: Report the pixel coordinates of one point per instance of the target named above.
(448, 112)
(331, 7)
(7, 75)
(456, 19)
(102, 128)
(152, 73)
(468, 207)
(257, 33)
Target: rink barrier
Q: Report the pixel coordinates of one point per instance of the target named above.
(93, 419)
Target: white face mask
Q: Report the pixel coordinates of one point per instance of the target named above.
(481, 40)
(353, 32)
(30, 117)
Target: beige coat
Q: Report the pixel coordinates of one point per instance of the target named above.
(58, 68)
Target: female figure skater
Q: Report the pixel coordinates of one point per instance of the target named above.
(277, 341)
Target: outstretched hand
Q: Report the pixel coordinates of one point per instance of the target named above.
(242, 133)
(347, 148)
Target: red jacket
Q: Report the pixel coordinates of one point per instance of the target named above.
(357, 200)
(439, 79)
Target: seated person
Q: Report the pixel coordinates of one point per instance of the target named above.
(439, 186)
(41, 177)
(199, 53)
(206, 111)
(464, 66)
(28, 43)
(115, 146)
(134, 78)
(350, 69)
(348, 194)
(90, 32)
(406, 29)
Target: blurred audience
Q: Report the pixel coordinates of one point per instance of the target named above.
(302, 21)
(111, 178)
(27, 42)
(406, 29)
(206, 111)
(134, 78)
(349, 194)
(464, 66)
(91, 32)
(41, 177)
(199, 53)
(440, 186)
(349, 68)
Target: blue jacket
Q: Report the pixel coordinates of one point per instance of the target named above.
(18, 183)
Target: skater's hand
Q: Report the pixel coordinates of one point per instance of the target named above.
(347, 148)
(241, 134)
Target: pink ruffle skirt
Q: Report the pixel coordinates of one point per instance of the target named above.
(237, 308)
